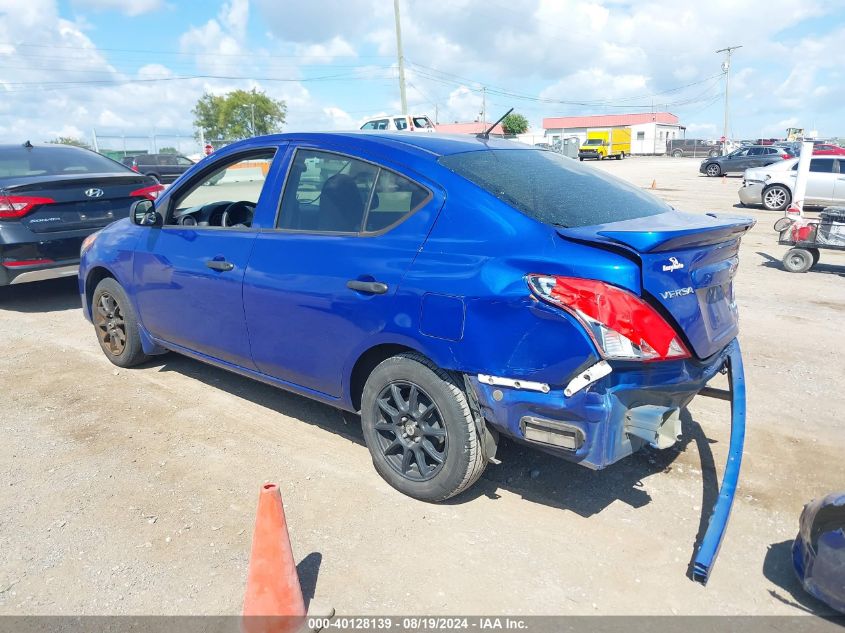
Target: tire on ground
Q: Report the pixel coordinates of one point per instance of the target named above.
(132, 352)
(776, 197)
(798, 260)
(464, 462)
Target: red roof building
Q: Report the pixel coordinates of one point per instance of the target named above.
(650, 131)
(609, 120)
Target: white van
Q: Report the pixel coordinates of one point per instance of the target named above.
(400, 123)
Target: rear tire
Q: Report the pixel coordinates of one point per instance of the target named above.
(776, 197)
(677, 153)
(420, 430)
(155, 177)
(116, 324)
(816, 255)
(713, 154)
(713, 170)
(798, 260)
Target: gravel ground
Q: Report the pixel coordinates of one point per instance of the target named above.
(134, 491)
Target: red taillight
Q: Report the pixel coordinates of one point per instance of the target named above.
(623, 326)
(150, 193)
(785, 156)
(134, 168)
(27, 262)
(19, 206)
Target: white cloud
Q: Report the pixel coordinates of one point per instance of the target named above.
(129, 7)
(325, 52)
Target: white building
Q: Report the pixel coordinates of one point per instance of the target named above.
(649, 130)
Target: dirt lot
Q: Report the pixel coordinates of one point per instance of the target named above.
(134, 491)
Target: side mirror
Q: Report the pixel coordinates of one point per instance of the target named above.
(143, 213)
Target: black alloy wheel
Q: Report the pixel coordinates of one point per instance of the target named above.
(411, 432)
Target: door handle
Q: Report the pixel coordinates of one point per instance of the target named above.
(370, 287)
(219, 264)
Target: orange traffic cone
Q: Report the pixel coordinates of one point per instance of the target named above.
(273, 602)
(654, 184)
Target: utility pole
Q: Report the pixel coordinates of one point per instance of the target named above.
(402, 96)
(484, 107)
(726, 67)
(252, 108)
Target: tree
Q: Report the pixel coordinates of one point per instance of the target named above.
(69, 140)
(168, 150)
(231, 116)
(514, 124)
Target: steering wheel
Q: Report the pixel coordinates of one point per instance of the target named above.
(237, 214)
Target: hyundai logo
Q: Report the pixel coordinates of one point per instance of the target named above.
(94, 192)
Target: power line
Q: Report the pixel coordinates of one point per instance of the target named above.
(193, 53)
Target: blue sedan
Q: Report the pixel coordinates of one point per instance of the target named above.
(449, 289)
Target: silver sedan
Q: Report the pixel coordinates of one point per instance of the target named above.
(772, 186)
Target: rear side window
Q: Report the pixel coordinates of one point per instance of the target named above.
(401, 124)
(332, 193)
(821, 165)
(54, 161)
(552, 188)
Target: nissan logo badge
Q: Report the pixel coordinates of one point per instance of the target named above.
(94, 192)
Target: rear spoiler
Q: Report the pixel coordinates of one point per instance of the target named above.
(664, 232)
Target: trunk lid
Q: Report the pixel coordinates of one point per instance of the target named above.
(88, 201)
(688, 263)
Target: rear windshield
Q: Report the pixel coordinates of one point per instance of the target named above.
(552, 188)
(54, 161)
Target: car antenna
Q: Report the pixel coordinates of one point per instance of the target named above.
(27, 144)
(486, 133)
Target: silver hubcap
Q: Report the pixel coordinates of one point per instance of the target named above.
(775, 198)
(713, 170)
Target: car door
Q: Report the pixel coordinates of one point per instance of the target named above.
(839, 182)
(821, 181)
(182, 165)
(756, 157)
(321, 284)
(189, 272)
(167, 167)
(736, 161)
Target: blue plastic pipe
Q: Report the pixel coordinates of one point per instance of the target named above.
(709, 548)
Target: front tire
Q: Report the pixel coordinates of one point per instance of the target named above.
(798, 260)
(776, 197)
(116, 324)
(677, 153)
(420, 430)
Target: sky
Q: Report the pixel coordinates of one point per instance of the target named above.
(137, 67)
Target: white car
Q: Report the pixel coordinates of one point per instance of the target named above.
(772, 186)
(400, 123)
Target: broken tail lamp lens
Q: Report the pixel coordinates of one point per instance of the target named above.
(623, 326)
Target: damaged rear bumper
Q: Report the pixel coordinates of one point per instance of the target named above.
(608, 412)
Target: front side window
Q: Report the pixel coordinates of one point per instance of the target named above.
(184, 162)
(554, 189)
(422, 122)
(227, 196)
(331, 193)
